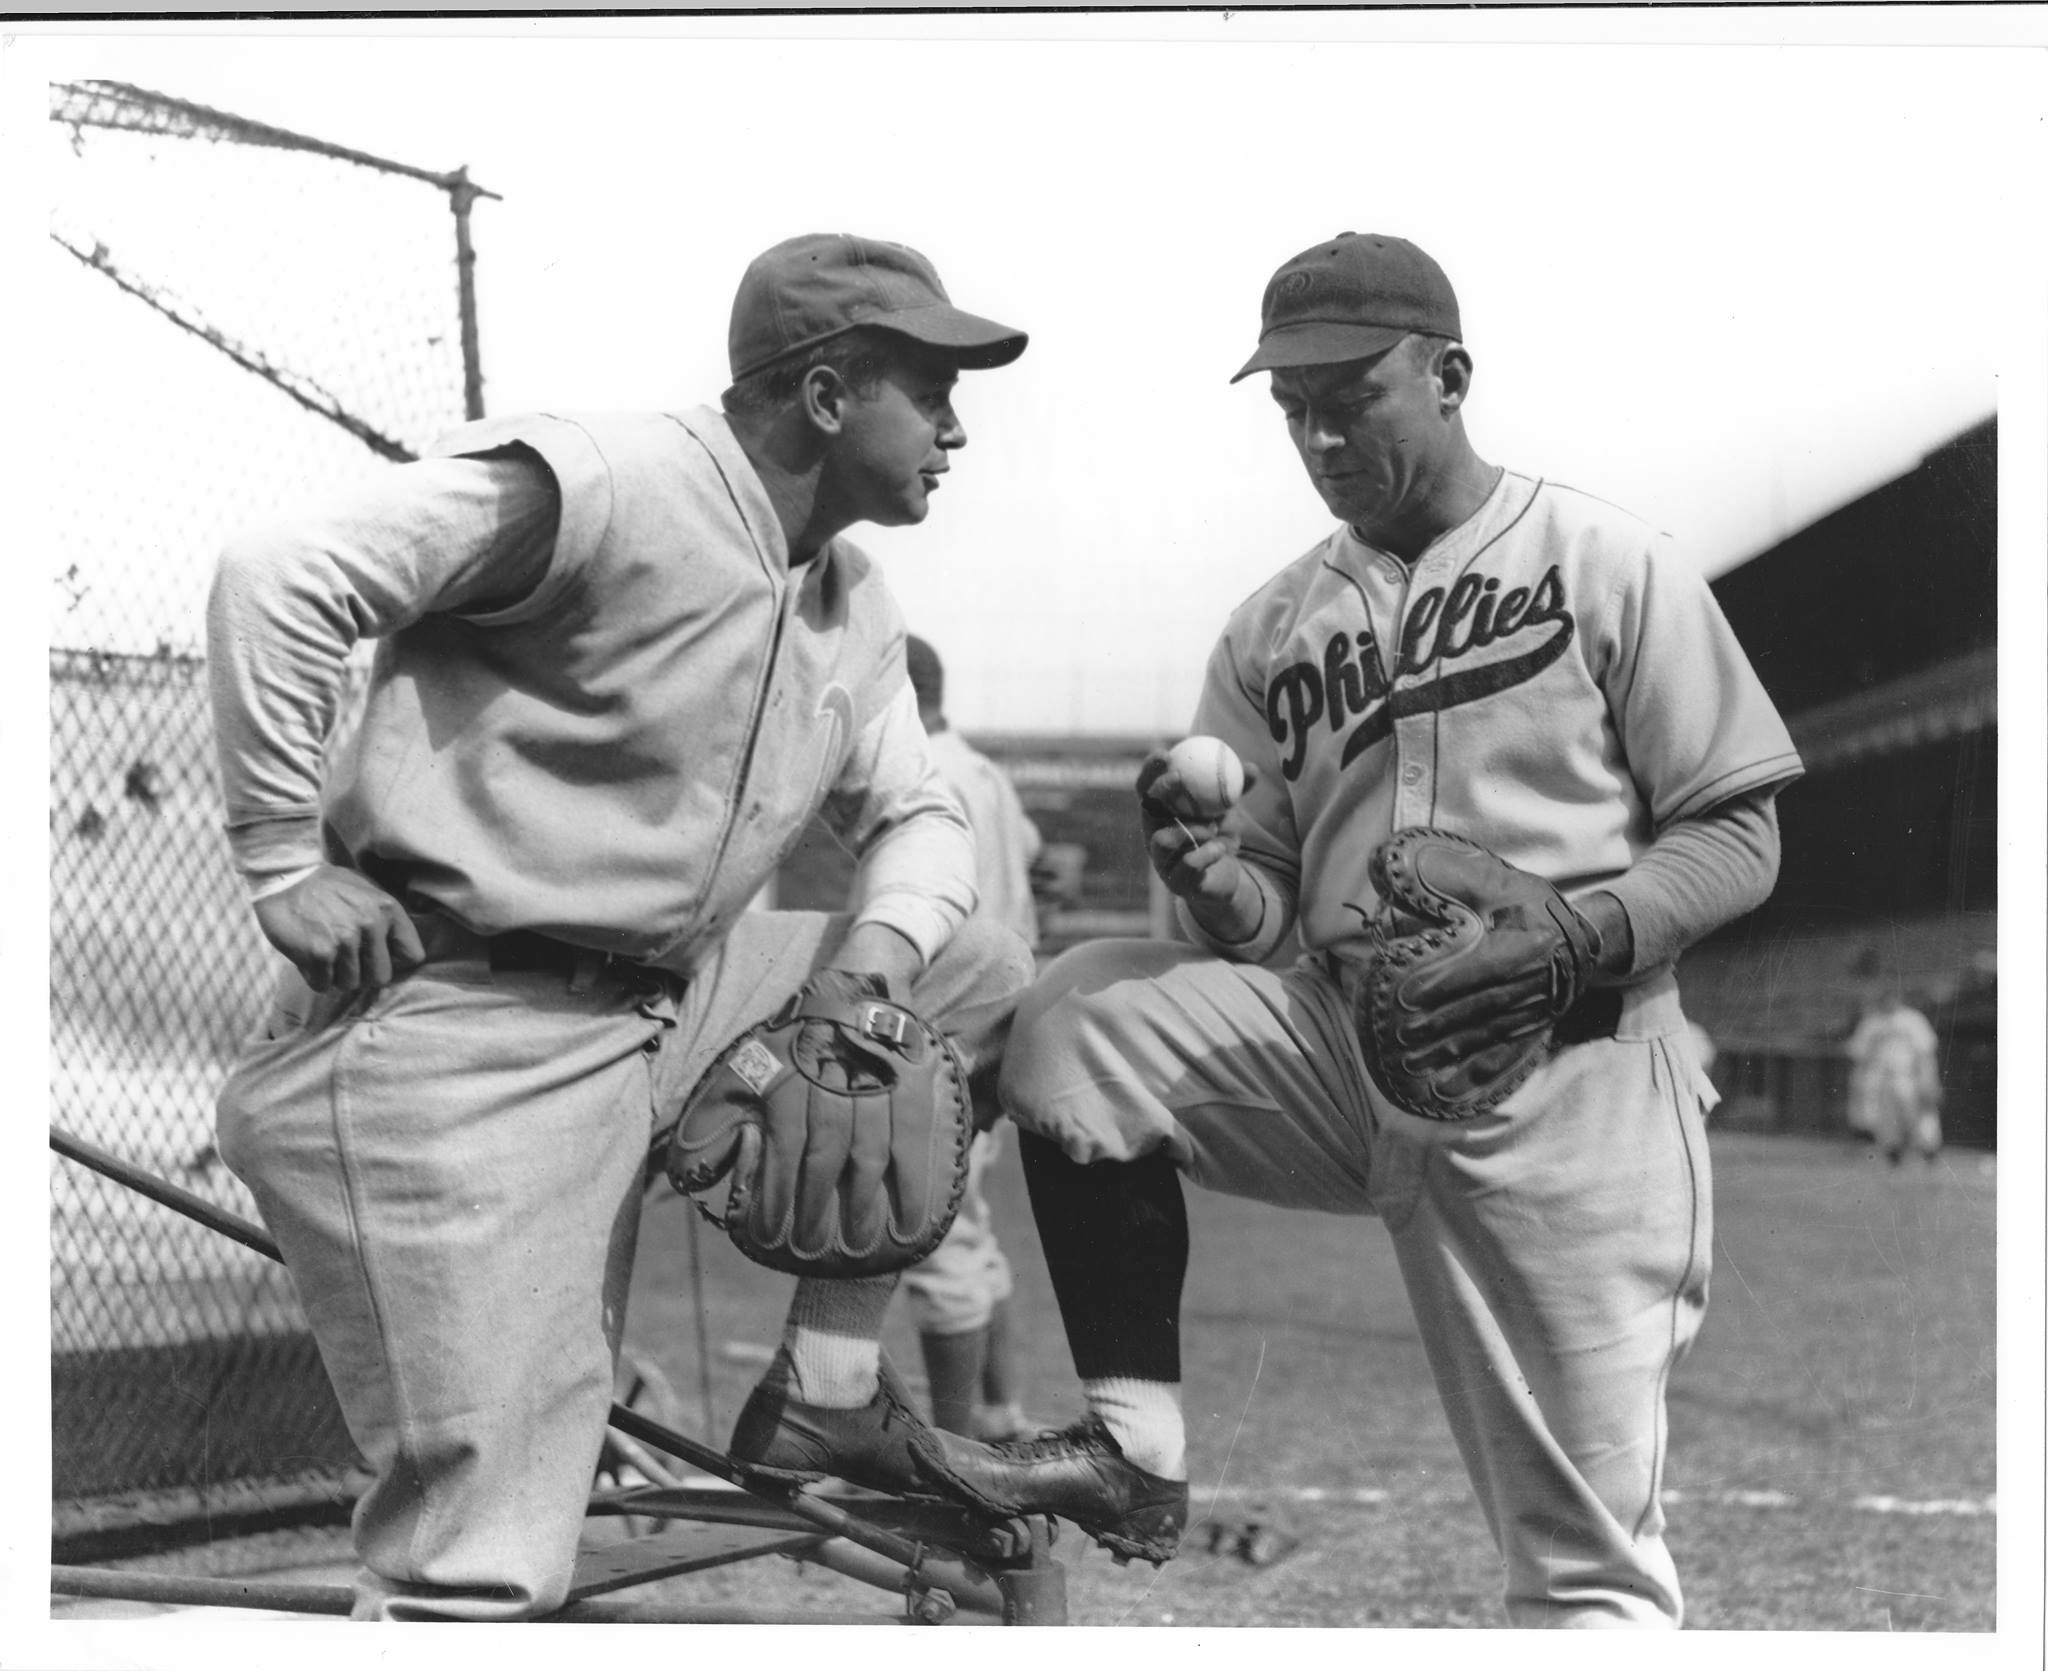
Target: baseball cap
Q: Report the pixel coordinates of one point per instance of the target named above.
(807, 289)
(1349, 298)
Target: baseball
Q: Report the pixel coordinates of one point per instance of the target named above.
(1211, 777)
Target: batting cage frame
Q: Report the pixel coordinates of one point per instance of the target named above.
(950, 1565)
(306, 314)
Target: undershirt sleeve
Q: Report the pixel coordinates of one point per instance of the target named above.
(1700, 873)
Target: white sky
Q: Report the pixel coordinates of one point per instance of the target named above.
(1728, 286)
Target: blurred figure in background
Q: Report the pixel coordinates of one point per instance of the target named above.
(1894, 1079)
(960, 1296)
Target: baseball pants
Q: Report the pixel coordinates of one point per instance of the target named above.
(1555, 1251)
(1904, 1116)
(452, 1166)
(956, 1289)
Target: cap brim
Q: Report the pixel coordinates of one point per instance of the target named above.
(1321, 344)
(977, 344)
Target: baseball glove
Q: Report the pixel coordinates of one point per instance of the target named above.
(1475, 963)
(840, 1127)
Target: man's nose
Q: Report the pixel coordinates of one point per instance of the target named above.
(952, 432)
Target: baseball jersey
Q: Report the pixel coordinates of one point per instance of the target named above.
(1896, 1048)
(1546, 678)
(1005, 840)
(612, 735)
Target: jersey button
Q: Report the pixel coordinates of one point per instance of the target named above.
(1411, 774)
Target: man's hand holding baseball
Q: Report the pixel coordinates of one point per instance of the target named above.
(341, 931)
(1197, 857)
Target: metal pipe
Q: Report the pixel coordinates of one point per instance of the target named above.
(969, 1585)
(192, 1590)
(703, 1325)
(461, 194)
(230, 1225)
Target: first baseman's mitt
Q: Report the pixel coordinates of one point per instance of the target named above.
(1476, 961)
(840, 1126)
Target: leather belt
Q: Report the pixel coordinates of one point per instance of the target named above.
(1595, 1016)
(522, 949)
(518, 950)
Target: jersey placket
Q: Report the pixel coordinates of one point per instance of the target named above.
(1412, 738)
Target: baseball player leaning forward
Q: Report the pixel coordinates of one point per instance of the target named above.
(1525, 666)
(622, 661)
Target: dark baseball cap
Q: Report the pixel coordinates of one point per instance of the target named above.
(808, 289)
(1350, 298)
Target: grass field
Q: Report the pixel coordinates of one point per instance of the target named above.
(1833, 1445)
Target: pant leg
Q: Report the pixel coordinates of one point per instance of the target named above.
(1248, 1078)
(955, 1289)
(452, 1172)
(1556, 1253)
(1557, 1259)
(1131, 1059)
(1897, 1102)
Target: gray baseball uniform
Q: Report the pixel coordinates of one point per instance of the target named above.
(605, 705)
(1551, 683)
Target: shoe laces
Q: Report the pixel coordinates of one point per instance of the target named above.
(1088, 1436)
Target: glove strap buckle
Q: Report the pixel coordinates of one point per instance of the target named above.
(884, 1022)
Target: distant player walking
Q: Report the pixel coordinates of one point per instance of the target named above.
(1526, 667)
(1894, 1080)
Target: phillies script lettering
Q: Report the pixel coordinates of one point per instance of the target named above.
(1443, 628)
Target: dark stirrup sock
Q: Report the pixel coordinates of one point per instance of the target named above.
(1116, 1246)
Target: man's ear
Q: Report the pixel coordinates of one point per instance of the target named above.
(1454, 372)
(822, 397)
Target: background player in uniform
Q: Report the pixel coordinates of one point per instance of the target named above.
(623, 660)
(1894, 1079)
(1511, 660)
(960, 1295)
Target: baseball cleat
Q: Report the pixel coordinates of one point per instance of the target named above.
(782, 1441)
(1079, 1474)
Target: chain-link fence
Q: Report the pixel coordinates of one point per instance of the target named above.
(247, 318)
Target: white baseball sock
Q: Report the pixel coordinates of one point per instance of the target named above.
(833, 1340)
(1145, 1419)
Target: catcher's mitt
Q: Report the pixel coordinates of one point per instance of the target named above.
(840, 1126)
(1475, 963)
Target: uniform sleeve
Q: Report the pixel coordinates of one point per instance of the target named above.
(914, 852)
(290, 601)
(1232, 706)
(1697, 875)
(1694, 721)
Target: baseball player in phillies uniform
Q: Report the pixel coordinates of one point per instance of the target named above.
(1514, 661)
(622, 661)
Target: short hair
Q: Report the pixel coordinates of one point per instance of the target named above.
(1426, 352)
(860, 357)
(927, 673)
